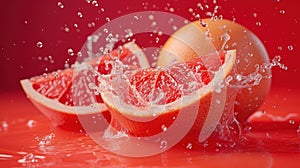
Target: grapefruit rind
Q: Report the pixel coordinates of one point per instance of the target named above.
(136, 50)
(53, 104)
(186, 100)
(62, 114)
(147, 122)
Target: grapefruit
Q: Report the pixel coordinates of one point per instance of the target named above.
(64, 95)
(189, 42)
(150, 100)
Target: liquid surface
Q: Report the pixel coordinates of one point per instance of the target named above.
(29, 140)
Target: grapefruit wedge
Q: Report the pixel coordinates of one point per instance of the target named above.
(64, 95)
(152, 101)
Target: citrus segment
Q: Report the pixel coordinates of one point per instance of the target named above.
(155, 86)
(183, 45)
(64, 95)
(185, 87)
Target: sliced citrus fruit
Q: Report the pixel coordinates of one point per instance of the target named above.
(251, 54)
(150, 100)
(64, 95)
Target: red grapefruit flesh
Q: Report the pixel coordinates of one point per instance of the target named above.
(184, 44)
(155, 97)
(65, 95)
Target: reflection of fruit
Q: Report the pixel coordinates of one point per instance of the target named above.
(65, 95)
(184, 45)
(151, 99)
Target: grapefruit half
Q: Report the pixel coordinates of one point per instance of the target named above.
(150, 101)
(64, 95)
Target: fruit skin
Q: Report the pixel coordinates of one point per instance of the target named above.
(63, 117)
(67, 116)
(148, 125)
(250, 53)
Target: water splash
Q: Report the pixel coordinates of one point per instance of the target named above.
(29, 158)
(46, 140)
(254, 78)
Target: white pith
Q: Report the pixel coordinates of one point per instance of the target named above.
(53, 104)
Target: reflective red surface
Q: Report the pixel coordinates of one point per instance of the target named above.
(274, 137)
(28, 139)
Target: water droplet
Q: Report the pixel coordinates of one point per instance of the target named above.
(199, 5)
(67, 65)
(282, 11)
(171, 10)
(238, 77)
(258, 23)
(189, 146)
(67, 29)
(71, 52)
(107, 19)
(26, 22)
(79, 14)
(92, 24)
(95, 3)
(31, 123)
(153, 24)
(254, 15)
(60, 4)
(39, 44)
(163, 144)
(298, 130)
(203, 23)
(4, 125)
(174, 27)
(190, 10)
(292, 122)
(157, 39)
(164, 128)
(79, 54)
(151, 17)
(279, 48)
(290, 47)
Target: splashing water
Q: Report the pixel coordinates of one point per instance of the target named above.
(30, 158)
(46, 140)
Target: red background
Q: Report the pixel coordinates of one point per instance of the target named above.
(24, 23)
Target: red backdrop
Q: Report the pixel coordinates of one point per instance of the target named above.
(24, 23)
